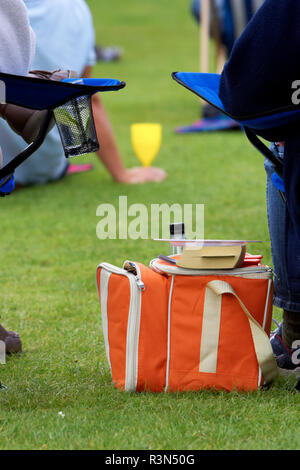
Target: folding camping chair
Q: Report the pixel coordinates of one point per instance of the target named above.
(228, 19)
(206, 86)
(68, 102)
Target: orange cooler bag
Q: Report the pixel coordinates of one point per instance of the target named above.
(172, 329)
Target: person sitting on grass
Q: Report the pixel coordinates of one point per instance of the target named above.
(17, 49)
(66, 44)
(17, 45)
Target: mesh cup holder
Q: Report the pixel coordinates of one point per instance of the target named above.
(76, 127)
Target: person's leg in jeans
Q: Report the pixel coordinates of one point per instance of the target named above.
(286, 295)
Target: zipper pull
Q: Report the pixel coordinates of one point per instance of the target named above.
(138, 279)
(270, 270)
(131, 268)
(140, 283)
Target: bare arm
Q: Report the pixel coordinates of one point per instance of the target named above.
(109, 153)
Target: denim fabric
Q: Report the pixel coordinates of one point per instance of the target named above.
(285, 246)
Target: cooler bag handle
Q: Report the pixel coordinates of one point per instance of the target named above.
(212, 309)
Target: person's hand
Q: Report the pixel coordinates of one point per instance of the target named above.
(142, 175)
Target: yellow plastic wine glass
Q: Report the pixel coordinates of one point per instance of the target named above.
(146, 141)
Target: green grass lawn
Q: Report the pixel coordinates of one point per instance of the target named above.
(49, 255)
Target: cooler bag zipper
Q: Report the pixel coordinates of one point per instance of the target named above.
(265, 271)
(133, 323)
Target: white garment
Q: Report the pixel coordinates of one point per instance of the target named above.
(17, 40)
(65, 38)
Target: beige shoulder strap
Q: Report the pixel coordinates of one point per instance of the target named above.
(263, 349)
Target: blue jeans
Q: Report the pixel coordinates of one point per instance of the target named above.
(285, 247)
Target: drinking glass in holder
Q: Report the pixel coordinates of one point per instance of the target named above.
(76, 126)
